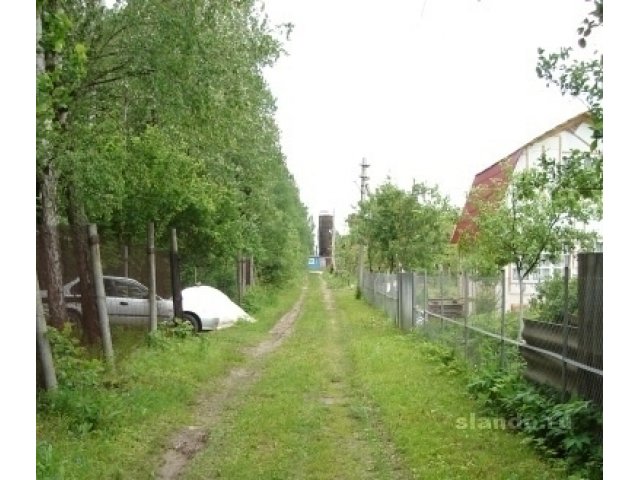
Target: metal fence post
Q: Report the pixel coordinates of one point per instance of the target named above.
(441, 297)
(426, 302)
(503, 307)
(465, 311)
(153, 306)
(413, 300)
(239, 277)
(125, 260)
(565, 329)
(176, 288)
(377, 301)
(399, 298)
(44, 349)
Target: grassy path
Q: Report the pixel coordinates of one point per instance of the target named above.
(210, 407)
(347, 396)
(301, 419)
(329, 391)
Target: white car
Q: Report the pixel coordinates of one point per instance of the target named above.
(206, 308)
(127, 301)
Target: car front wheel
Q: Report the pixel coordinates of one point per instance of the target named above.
(193, 320)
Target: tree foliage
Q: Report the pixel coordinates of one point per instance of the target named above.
(404, 229)
(543, 212)
(582, 79)
(549, 304)
(537, 213)
(168, 118)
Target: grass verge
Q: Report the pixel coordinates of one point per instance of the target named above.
(105, 426)
(418, 392)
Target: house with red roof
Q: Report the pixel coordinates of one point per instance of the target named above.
(559, 141)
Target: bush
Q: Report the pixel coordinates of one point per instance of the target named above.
(82, 398)
(548, 303)
(256, 298)
(571, 430)
(74, 368)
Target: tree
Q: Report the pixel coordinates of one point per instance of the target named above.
(535, 214)
(581, 79)
(60, 65)
(346, 253)
(404, 229)
(157, 110)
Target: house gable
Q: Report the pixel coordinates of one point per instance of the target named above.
(556, 142)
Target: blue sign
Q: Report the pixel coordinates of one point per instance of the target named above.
(314, 263)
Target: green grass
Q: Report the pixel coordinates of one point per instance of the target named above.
(346, 396)
(302, 419)
(418, 390)
(150, 396)
(356, 398)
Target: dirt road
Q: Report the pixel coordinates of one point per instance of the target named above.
(193, 438)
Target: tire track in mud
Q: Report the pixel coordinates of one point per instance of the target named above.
(186, 443)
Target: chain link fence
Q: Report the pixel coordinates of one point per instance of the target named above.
(126, 271)
(469, 314)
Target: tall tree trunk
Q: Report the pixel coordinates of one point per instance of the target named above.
(50, 236)
(78, 222)
(51, 241)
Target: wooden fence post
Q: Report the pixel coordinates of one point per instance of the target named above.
(153, 306)
(239, 276)
(125, 260)
(101, 298)
(176, 288)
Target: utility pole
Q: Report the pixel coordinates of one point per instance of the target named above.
(363, 190)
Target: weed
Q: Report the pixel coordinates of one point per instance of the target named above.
(257, 298)
(569, 430)
(46, 466)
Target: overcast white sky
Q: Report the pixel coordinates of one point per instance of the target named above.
(431, 90)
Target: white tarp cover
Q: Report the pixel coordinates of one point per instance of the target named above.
(209, 302)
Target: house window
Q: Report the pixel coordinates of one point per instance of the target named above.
(545, 270)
